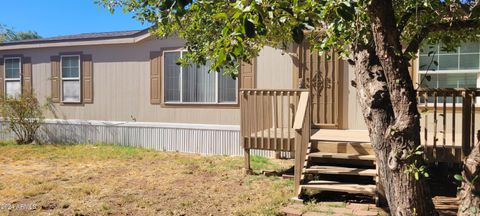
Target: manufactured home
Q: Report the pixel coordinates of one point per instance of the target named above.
(126, 88)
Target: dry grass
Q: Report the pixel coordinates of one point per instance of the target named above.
(113, 180)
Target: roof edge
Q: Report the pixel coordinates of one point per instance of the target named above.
(121, 39)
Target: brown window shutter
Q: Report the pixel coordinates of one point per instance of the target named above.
(155, 74)
(55, 78)
(2, 75)
(247, 75)
(87, 78)
(27, 75)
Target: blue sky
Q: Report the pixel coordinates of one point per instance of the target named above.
(63, 17)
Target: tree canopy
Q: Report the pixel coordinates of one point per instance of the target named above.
(227, 31)
(8, 34)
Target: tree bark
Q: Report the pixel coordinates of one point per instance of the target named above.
(470, 189)
(405, 195)
(388, 100)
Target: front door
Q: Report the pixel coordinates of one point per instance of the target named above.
(322, 75)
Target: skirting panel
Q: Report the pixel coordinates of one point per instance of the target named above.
(173, 137)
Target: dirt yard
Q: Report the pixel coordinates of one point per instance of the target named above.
(112, 180)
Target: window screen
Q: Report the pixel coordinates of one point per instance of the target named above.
(71, 87)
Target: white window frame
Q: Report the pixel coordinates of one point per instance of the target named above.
(19, 79)
(216, 102)
(71, 78)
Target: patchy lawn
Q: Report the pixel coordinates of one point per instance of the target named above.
(107, 179)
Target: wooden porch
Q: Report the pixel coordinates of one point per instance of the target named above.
(343, 160)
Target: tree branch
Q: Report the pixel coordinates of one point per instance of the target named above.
(407, 15)
(456, 25)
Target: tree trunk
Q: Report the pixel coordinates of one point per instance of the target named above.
(405, 194)
(469, 193)
(388, 100)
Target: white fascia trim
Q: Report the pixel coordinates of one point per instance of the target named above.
(145, 124)
(78, 43)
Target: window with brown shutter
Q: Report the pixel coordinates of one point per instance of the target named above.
(72, 78)
(15, 75)
(155, 80)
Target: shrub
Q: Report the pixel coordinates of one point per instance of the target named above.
(24, 116)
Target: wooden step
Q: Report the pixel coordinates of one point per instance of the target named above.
(342, 156)
(340, 187)
(343, 147)
(333, 135)
(336, 170)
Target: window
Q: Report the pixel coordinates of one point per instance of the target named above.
(13, 74)
(70, 71)
(455, 69)
(195, 84)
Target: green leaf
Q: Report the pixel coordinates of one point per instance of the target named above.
(417, 176)
(221, 56)
(428, 78)
(458, 177)
(220, 15)
(426, 174)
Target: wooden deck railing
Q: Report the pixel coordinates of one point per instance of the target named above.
(270, 119)
(280, 120)
(302, 126)
(448, 122)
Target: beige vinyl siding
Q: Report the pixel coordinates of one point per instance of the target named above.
(353, 117)
(274, 69)
(121, 77)
(121, 84)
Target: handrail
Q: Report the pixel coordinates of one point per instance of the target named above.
(302, 127)
(301, 111)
